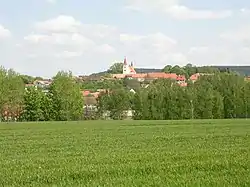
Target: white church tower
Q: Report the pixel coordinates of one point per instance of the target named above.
(128, 69)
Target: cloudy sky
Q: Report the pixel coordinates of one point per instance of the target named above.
(41, 37)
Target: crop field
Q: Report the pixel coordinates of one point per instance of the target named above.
(126, 153)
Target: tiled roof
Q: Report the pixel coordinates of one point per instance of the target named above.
(162, 75)
(118, 76)
(140, 75)
(85, 92)
(154, 75)
(195, 77)
(181, 78)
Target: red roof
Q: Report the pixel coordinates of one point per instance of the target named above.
(195, 77)
(152, 75)
(181, 78)
(85, 92)
(140, 75)
(89, 93)
(162, 75)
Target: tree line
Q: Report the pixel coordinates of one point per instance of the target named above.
(61, 102)
(215, 96)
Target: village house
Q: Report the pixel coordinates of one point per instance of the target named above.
(196, 76)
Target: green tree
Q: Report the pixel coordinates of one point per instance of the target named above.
(3, 90)
(167, 69)
(218, 105)
(66, 96)
(12, 92)
(116, 68)
(117, 103)
(32, 110)
(178, 70)
(132, 84)
(204, 100)
(27, 79)
(47, 107)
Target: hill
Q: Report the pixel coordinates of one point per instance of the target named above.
(243, 70)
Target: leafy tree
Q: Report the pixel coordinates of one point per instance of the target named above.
(12, 91)
(178, 70)
(116, 68)
(167, 69)
(3, 90)
(132, 84)
(117, 102)
(33, 106)
(218, 105)
(27, 79)
(47, 107)
(66, 96)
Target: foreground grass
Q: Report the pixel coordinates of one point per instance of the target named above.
(126, 153)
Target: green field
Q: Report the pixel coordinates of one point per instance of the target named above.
(126, 153)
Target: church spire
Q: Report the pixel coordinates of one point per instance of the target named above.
(125, 61)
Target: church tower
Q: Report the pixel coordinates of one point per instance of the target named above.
(128, 69)
(125, 66)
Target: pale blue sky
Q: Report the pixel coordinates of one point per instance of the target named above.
(151, 34)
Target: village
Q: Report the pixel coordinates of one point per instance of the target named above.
(129, 72)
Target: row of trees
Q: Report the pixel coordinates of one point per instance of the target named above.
(63, 101)
(189, 70)
(222, 95)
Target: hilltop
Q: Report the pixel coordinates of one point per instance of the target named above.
(243, 70)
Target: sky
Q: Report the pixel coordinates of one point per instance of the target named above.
(42, 37)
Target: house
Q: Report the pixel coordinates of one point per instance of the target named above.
(247, 78)
(196, 76)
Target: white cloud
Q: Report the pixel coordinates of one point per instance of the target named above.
(70, 37)
(68, 54)
(245, 11)
(106, 49)
(241, 34)
(67, 43)
(61, 23)
(4, 33)
(59, 39)
(182, 12)
(155, 49)
(64, 38)
(176, 10)
(222, 54)
(51, 1)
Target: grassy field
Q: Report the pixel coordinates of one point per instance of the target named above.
(126, 153)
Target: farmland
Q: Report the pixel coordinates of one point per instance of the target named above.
(126, 153)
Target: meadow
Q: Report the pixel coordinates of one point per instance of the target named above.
(126, 153)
